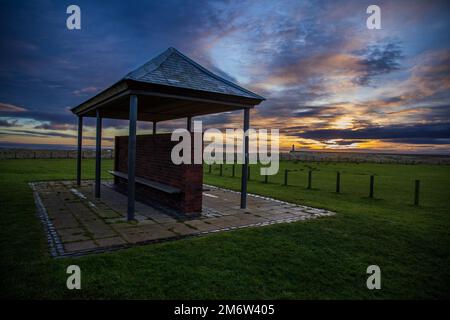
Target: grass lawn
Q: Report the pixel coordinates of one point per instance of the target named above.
(325, 258)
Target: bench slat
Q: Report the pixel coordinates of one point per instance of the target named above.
(146, 182)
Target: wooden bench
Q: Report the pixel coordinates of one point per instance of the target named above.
(146, 182)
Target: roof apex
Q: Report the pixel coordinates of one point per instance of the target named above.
(195, 76)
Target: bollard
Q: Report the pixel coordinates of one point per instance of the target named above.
(286, 177)
(309, 179)
(372, 179)
(416, 192)
(221, 169)
(338, 182)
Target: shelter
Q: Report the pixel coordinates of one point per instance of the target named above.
(170, 86)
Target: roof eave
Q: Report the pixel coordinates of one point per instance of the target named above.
(117, 88)
(140, 85)
(128, 86)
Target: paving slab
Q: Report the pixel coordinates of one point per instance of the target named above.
(200, 225)
(80, 245)
(72, 234)
(76, 221)
(180, 228)
(113, 241)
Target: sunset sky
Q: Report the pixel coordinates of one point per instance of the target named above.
(330, 83)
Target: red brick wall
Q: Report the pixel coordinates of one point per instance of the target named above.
(153, 162)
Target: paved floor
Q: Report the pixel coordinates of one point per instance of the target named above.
(77, 223)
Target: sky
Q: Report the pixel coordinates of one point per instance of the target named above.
(330, 83)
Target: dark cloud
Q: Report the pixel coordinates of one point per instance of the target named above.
(289, 102)
(340, 142)
(217, 120)
(434, 131)
(64, 117)
(393, 99)
(321, 112)
(51, 134)
(435, 114)
(295, 53)
(377, 60)
(56, 126)
(421, 141)
(8, 123)
(6, 107)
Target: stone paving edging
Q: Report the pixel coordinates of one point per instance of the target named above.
(327, 212)
(57, 249)
(179, 237)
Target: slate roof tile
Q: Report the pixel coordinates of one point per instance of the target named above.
(172, 68)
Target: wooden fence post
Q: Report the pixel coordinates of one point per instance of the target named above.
(416, 192)
(338, 182)
(372, 180)
(309, 179)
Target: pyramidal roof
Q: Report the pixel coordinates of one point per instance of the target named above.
(172, 68)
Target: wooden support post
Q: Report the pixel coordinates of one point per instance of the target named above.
(79, 148)
(98, 155)
(245, 165)
(372, 180)
(309, 179)
(416, 192)
(132, 156)
(338, 182)
(189, 124)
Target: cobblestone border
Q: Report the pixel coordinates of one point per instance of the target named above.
(179, 237)
(57, 249)
(321, 212)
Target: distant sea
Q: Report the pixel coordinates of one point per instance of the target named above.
(363, 151)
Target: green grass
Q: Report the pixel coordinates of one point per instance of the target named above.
(325, 258)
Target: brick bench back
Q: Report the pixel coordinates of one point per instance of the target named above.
(153, 162)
